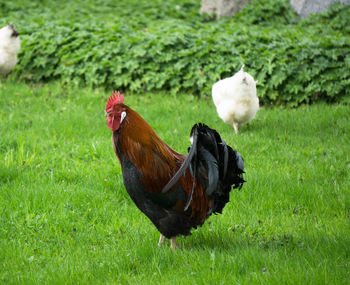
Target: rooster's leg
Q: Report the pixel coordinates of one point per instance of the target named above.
(161, 240)
(235, 126)
(173, 243)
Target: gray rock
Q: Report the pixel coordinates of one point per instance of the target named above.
(222, 7)
(306, 7)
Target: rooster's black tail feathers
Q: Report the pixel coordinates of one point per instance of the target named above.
(214, 163)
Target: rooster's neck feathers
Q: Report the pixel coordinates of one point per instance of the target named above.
(137, 142)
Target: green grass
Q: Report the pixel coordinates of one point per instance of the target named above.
(66, 218)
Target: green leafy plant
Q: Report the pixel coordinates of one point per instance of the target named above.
(156, 46)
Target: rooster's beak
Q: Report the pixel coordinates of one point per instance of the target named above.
(106, 114)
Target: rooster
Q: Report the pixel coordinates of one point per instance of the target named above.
(9, 47)
(176, 192)
(235, 99)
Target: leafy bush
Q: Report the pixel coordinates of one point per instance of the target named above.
(267, 12)
(149, 45)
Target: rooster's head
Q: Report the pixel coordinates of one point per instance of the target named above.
(115, 111)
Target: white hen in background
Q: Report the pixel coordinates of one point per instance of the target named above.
(235, 99)
(9, 47)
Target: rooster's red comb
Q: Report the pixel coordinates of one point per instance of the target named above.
(116, 98)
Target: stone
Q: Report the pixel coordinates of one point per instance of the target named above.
(306, 7)
(222, 7)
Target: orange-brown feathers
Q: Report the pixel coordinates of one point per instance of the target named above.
(143, 147)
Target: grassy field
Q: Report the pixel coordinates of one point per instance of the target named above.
(66, 218)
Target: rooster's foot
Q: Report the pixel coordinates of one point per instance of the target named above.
(161, 240)
(174, 245)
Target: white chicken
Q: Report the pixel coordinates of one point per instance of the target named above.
(9, 47)
(235, 99)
